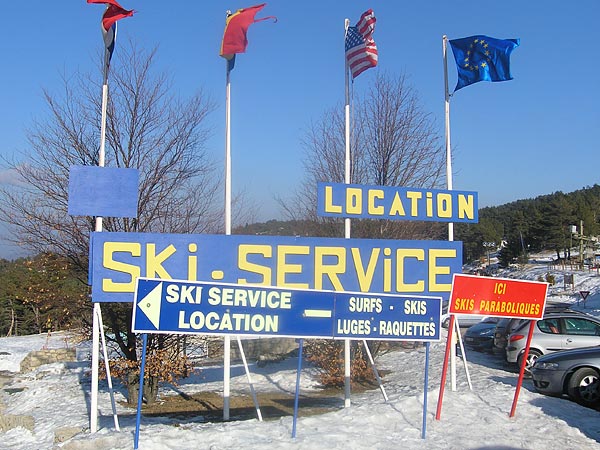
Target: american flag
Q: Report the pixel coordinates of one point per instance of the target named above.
(361, 51)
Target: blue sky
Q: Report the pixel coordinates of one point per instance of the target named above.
(534, 135)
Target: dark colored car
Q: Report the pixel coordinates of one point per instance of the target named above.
(575, 373)
(481, 335)
(504, 328)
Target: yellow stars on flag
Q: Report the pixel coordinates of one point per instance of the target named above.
(482, 58)
(479, 47)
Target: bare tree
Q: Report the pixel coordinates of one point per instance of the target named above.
(148, 128)
(393, 143)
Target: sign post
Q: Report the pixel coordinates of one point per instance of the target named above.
(180, 307)
(186, 307)
(522, 369)
(499, 297)
(584, 296)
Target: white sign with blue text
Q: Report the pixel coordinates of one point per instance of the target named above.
(180, 307)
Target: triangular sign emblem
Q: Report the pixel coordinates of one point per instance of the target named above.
(150, 305)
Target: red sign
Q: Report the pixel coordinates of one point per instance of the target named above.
(500, 297)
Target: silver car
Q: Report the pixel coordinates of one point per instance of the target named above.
(464, 320)
(556, 331)
(572, 372)
(507, 325)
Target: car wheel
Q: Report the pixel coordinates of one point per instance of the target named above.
(531, 358)
(584, 387)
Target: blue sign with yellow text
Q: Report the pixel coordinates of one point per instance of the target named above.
(353, 265)
(396, 203)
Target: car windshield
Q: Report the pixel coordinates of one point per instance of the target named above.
(503, 322)
(490, 320)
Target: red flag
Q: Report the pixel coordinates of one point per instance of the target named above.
(361, 51)
(236, 27)
(113, 12)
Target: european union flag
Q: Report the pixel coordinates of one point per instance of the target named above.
(482, 58)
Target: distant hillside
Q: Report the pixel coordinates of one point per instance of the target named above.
(520, 227)
(275, 228)
(542, 223)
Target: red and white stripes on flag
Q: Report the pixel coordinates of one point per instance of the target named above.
(361, 51)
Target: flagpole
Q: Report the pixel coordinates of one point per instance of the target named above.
(227, 152)
(347, 180)
(96, 312)
(347, 122)
(447, 124)
(234, 41)
(112, 13)
(449, 186)
(227, 338)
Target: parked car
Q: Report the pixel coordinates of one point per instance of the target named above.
(504, 328)
(507, 325)
(556, 331)
(481, 335)
(464, 320)
(575, 373)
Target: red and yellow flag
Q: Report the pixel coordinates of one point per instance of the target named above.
(236, 27)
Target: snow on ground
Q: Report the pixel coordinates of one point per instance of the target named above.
(58, 395)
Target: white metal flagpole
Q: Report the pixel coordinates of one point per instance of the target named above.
(97, 312)
(447, 126)
(227, 339)
(347, 132)
(449, 186)
(347, 234)
(227, 152)
(110, 37)
(347, 220)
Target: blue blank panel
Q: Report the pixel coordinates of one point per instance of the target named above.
(103, 191)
